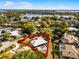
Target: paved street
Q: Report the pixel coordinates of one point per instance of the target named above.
(49, 51)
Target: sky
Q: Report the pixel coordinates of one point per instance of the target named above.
(40, 4)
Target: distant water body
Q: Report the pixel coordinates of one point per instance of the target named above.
(35, 15)
(67, 10)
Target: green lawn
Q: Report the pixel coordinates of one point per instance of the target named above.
(0, 44)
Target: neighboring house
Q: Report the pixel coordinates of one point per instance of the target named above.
(37, 23)
(24, 19)
(69, 51)
(65, 16)
(3, 30)
(8, 30)
(76, 44)
(72, 29)
(15, 33)
(69, 39)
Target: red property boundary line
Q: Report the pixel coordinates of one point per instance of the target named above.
(36, 35)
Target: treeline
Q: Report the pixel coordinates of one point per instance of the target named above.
(28, 11)
(50, 12)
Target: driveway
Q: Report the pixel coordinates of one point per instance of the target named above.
(5, 45)
(14, 49)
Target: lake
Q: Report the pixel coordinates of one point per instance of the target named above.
(35, 15)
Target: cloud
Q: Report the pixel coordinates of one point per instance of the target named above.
(6, 4)
(15, 5)
(27, 5)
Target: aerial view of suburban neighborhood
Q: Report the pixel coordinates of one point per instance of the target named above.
(43, 32)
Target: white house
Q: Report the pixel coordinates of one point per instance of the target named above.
(42, 48)
(72, 29)
(36, 41)
(15, 33)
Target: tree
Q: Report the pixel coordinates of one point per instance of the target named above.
(49, 22)
(57, 33)
(30, 26)
(2, 20)
(55, 18)
(77, 18)
(28, 55)
(5, 55)
(5, 35)
(36, 18)
(64, 30)
(65, 24)
(44, 24)
(46, 31)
